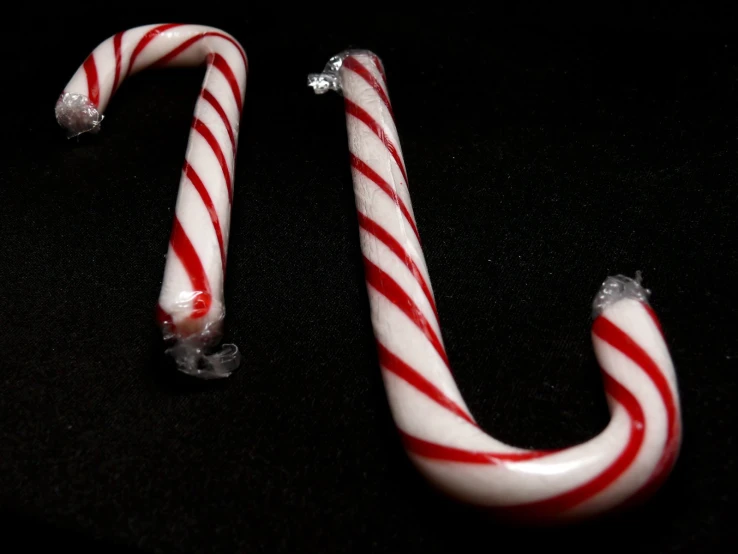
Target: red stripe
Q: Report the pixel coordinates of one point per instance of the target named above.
(373, 176)
(207, 95)
(378, 65)
(193, 266)
(117, 40)
(194, 178)
(205, 132)
(388, 240)
(93, 86)
(362, 115)
(554, 506)
(388, 287)
(434, 451)
(395, 365)
(219, 62)
(166, 58)
(352, 64)
(192, 40)
(615, 337)
(146, 39)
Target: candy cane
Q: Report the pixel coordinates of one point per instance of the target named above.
(191, 309)
(623, 464)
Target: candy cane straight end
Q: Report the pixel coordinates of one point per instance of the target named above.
(190, 310)
(626, 462)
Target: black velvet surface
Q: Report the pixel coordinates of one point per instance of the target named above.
(542, 157)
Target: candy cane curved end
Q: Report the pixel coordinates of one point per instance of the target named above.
(191, 307)
(624, 464)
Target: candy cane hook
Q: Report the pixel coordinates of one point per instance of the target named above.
(624, 463)
(191, 309)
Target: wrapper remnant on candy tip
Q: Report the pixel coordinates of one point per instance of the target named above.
(192, 358)
(77, 114)
(330, 79)
(194, 349)
(616, 288)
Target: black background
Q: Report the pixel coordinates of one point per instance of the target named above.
(544, 154)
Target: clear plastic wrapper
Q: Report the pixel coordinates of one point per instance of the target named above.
(616, 288)
(200, 354)
(77, 114)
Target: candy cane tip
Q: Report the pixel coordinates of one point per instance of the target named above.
(330, 78)
(616, 288)
(77, 114)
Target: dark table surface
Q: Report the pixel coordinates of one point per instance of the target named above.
(542, 157)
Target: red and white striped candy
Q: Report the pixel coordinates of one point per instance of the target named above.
(626, 462)
(191, 308)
